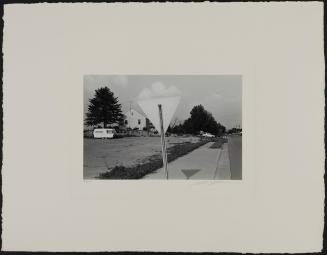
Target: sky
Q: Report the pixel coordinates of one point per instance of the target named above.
(219, 94)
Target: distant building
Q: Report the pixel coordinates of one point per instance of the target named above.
(134, 119)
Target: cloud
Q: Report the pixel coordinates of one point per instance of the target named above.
(158, 89)
(215, 96)
(121, 80)
(220, 100)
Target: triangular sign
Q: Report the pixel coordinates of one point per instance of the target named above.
(151, 110)
(189, 172)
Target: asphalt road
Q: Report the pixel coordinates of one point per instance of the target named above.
(235, 156)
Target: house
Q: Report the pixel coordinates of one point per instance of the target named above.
(135, 120)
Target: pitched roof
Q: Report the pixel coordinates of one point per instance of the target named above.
(136, 112)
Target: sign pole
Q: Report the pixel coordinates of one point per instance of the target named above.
(163, 143)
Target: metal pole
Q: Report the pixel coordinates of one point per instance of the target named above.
(163, 143)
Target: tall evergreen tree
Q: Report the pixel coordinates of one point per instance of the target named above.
(103, 108)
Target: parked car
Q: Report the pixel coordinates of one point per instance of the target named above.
(207, 135)
(104, 133)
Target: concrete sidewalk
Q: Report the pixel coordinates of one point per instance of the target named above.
(203, 163)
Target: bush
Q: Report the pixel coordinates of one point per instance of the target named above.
(117, 136)
(88, 134)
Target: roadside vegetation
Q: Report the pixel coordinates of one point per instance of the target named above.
(200, 120)
(152, 163)
(219, 143)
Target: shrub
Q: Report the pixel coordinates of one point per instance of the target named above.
(116, 136)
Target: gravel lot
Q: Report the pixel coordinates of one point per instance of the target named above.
(103, 154)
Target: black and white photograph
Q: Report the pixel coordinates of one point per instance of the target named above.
(162, 127)
(166, 127)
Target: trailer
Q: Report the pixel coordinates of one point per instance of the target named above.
(104, 133)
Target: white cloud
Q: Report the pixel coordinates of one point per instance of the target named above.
(158, 89)
(121, 80)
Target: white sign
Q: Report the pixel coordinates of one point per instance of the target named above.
(151, 110)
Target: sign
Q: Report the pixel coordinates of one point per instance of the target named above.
(160, 112)
(168, 106)
(189, 172)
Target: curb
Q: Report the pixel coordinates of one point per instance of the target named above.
(223, 171)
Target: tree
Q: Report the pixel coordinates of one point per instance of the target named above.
(234, 130)
(174, 123)
(177, 129)
(202, 120)
(172, 126)
(104, 108)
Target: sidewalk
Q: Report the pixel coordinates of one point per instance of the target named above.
(203, 163)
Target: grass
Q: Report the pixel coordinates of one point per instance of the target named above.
(152, 163)
(218, 143)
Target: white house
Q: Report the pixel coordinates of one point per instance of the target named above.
(134, 119)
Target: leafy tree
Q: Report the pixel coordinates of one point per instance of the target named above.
(104, 108)
(221, 130)
(177, 129)
(202, 120)
(234, 130)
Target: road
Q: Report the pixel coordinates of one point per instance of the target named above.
(235, 156)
